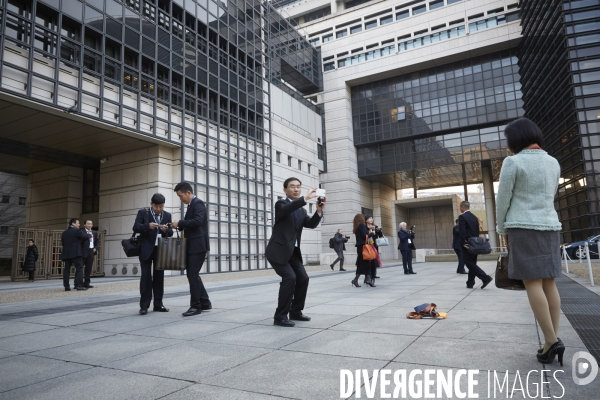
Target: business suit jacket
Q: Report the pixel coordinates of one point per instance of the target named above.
(72, 239)
(147, 235)
(404, 236)
(339, 242)
(195, 227)
(468, 225)
(456, 242)
(287, 230)
(85, 246)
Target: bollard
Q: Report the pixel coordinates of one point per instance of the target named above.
(565, 257)
(580, 254)
(587, 250)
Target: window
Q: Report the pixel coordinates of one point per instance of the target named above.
(341, 34)
(371, 24)
(436, 4)
(355, 29)
(327, 38)
(289, 161)
(366, 211)
(419, 9)
(453, 1)
(329, 66)
(386, 20)
(402, 14)
(91, 190)
(309, 168)
(401, 113)
(5, 199)
(300, 165)
(22, 201)
(315, 42)
(3, 230)
(278, 157)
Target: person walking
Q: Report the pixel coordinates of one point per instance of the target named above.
(458, 249)
(72, 240)
(31, 258)
(89, 250)
(469, 227)
(374, 233)
(283, 250)
(152, 224)
(339, 245)
(363, 267)
(525, 213)
(195, 230)
(406, 247)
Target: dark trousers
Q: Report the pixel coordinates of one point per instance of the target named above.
(198, 294)
(461, 260)
(293, 286)
(31, 275)
(152, 281)
(78, 263)
(474, 270)
(88, 261)
(340, 254)
(407, 260)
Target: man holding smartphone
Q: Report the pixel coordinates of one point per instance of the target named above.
(152, 224)
(283, 250)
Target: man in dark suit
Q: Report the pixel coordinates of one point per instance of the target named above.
(469, 227)
(458, 249)
(406, 246)
(339, 245)
(195, 230)
(72, 240)
(283, 250)
(89, 249)
(152, 224)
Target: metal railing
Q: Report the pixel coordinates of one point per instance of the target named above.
(49, 245)
(585, 248)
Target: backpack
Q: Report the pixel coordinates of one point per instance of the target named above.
(331, 243)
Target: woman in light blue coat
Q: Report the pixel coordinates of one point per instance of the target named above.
(525, 212)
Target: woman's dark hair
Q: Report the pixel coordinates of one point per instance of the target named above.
(184, 187)
(522, 133)
(367, 216)
(358, 220)
(158, 199)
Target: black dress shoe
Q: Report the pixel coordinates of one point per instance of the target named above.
(192, 311)
(487, 282)
(412, 273)
(342, 269)
(299, 317)
(376, 277)
(161, 309)
(331, 265)
(283, 322)
(88, 286)
(463, 273)
(406, 273)
(206, 308)
(469, 287)
(67, 289)
(143, 311)
(80, 288)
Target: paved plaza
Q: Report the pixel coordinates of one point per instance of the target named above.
(96, 346)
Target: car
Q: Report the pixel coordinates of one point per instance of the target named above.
(576, 250)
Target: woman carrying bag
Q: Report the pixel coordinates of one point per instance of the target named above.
(31, 258)
(363, 267)
(374, 233)
(525, 212)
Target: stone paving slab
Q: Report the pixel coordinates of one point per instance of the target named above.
(14, 328)
(207, 392)
(35, 341)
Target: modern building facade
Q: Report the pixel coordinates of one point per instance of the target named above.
(104, 103)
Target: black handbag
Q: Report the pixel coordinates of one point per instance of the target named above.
(502, 280)
(132, 246)
(171, 253)
(479, 245)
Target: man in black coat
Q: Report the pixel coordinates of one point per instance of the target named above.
(195, 230)
(152, 223)
(339, 245)
(283, 250)
(89, 249)
(72, 240)
(469, 227)
(458, 249)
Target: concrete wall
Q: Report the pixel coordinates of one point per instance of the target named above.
(12, 214)
(127, 182)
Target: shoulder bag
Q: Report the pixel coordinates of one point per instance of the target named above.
(382, 241)
(479, 245)
(368, 251)
(133, 246)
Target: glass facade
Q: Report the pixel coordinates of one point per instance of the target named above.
(193, 73)
(560, 71)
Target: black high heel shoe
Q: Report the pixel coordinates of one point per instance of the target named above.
(355, 282)
(541, 350)
(370, 283)
(548, 357)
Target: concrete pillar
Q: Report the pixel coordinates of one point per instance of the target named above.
(383, 212)
(127, 182)
(53, 197)
(490, 204)
(337, 6)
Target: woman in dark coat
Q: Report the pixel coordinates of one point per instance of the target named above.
(374, 233)
(30, 259)
(363, 267)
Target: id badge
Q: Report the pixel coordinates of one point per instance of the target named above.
(158, 236)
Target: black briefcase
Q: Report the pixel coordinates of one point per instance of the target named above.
(502, 280)
(479, 245)
(171, 253)
(132, 246)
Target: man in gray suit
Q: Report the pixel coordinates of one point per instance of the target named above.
(339, 245)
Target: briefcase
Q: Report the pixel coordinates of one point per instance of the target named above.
(171, 253)
(132, 246)
(502, 280)
(479, 245)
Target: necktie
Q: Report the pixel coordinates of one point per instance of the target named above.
(157, 216)
(296, 215)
